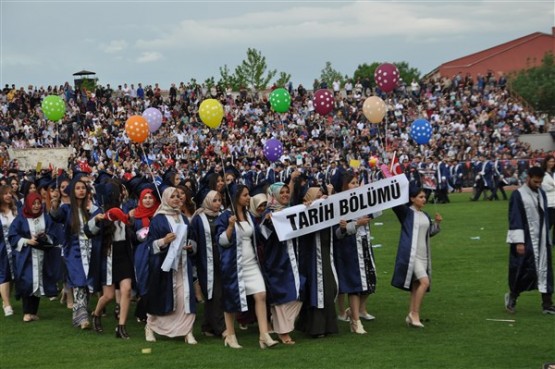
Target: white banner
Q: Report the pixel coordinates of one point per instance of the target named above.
(380, 195)
(29, 158)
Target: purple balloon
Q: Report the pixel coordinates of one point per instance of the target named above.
(273, 149)
(154, 119)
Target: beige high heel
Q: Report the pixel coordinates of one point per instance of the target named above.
(231, 341)
(412, 323)
(265, 340)
(190, 339)
(356, 327)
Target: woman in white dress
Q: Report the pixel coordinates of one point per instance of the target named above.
(236, 234)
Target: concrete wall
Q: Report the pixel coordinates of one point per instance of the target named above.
(539, 141)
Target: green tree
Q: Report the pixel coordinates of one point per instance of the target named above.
(252, 71)
(328, 75)
(283, 79)
(407, 72)
(227, 78)
(535, 85)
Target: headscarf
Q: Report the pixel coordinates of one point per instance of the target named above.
(205, 207)
(143, 213)
(256, 200)
(273, 195)
(28, 206)
(165, 207)
(311, 194)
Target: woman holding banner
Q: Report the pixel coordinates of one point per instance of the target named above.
(317, 317)
(354, 261)
(236, 234)
(281, 268)
(413, 263)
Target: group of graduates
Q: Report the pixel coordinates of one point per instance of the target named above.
(171, 245)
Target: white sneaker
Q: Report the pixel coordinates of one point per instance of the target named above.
(8, 311)
(366, 316)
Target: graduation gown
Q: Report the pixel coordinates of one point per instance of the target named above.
(33, 276)
(81, 252)
(141, 257)
(161, 296)
(529, 224)
(406, 250)
(5, 268)
(207, 257)
(354, 261)
(234, 293)
(280, 268)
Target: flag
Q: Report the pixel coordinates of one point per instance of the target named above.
(396, 168)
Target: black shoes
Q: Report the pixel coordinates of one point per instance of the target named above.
(510, 303)
(97, 324)
(549, 310)
(121, 332)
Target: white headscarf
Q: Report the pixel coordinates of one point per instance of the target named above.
(165, 207)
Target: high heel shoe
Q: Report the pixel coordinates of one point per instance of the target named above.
(149, 334)
(97, 324)
(121, 332)
(265, 340)
(286, 339)
(356, 327)
(231, 341)
(190, 339)
(411, 323)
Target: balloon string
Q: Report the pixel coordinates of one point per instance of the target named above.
(150, 171)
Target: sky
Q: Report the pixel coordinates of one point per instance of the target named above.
(44, 42)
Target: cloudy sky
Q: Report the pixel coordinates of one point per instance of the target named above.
(45, 42)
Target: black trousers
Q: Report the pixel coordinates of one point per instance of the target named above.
(30, 304)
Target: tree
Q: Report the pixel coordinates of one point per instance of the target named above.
(406, 72)
(535, 85)
(227, 79)
(283, 79)
(328, 75)
(253, 71)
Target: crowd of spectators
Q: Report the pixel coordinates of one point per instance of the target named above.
(469, 118)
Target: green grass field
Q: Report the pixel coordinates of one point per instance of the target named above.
(469, 280)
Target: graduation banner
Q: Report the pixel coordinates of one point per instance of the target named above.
(347, 205)
(30, 158)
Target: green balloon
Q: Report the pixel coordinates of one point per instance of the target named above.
(53, 107)
(280, 100)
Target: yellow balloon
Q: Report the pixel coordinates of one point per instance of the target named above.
(374, 109)
(211, 113)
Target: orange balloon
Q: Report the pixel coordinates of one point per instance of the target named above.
(136, 128)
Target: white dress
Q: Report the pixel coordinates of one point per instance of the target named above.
(421, 260)
(252, 276)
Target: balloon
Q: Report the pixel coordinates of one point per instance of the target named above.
(280, 100)
(273, 149)
(386, 77)
(211, 113)
(374, 109)
(136, 128)
(53, 107)
(323, 101)
(153, 118)
(421, 131)
(373, 161)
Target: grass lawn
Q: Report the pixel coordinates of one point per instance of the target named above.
(468, 283)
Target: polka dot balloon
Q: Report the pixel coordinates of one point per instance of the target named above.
(137, 129)
(273, 149)
(53, 107)
(323, 101)
(387, 77)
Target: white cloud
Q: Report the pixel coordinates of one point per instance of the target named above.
(114, 46)
(364, 20)
(149, 57)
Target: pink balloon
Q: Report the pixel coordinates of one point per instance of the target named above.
(387, 77)
(323, 101)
